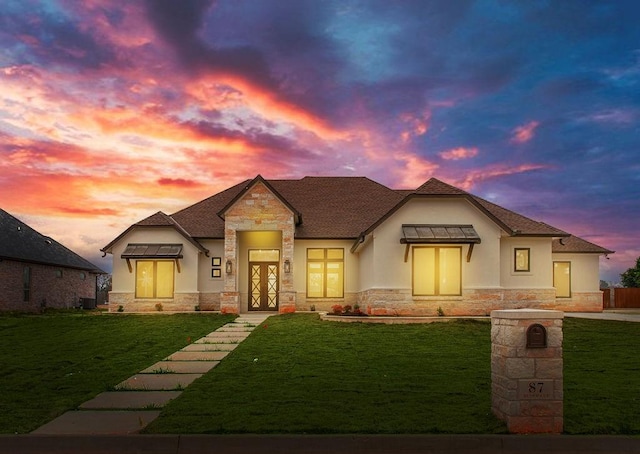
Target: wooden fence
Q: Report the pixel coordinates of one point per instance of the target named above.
(623, 298)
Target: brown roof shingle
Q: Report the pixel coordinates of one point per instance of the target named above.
(347, 207)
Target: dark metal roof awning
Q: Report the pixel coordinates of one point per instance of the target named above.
(152, 251)
(439, 234)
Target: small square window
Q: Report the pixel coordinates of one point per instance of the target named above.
(83, 275)
(216, 272)
(522, 261)
(216, 261)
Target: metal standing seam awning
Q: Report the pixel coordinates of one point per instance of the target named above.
(438, 234)
(152, 251)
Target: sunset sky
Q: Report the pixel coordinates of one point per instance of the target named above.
(113, 110)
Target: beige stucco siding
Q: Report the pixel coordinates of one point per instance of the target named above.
(185, 282)
(541, 272)
(584, 271)
(299, 266)
(206, 283)
(391, 271)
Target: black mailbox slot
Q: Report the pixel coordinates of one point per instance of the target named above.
(536, 336)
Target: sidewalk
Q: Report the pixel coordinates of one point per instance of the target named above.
(320, 444)
(136, 401)
(621, 315)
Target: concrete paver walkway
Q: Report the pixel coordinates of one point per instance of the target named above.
(136, 400)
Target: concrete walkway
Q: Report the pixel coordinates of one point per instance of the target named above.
(620, 315)
(137, 401)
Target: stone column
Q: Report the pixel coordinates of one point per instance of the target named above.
(526, 369)
(230, 297)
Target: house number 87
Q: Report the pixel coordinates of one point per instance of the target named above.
(536, 387)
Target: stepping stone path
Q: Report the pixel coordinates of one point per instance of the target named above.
(137, 400)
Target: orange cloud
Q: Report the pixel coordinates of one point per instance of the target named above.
(524, 133)
(455, 154)
(227, 88)
(474, 177)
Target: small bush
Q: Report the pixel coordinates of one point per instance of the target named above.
(337, 309)
(159, 307)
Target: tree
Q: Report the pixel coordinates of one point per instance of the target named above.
(631, 277)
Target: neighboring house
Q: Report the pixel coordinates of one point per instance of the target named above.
(38, 272)
(289, 245)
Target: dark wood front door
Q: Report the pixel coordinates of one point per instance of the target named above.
(263, 286)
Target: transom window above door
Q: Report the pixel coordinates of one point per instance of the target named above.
(264, 255)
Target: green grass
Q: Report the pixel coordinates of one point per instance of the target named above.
(296, 374)
(53, 363)
(601, 377)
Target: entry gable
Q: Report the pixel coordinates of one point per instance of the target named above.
(252, 191)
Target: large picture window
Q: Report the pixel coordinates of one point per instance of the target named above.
(325, 273)
(437, 270)
(562, 279)
(154, 279)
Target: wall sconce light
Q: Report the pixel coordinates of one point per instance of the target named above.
(287, 266)
(228, 267)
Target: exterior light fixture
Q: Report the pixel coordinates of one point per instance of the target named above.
(228, 267)
(287, 266)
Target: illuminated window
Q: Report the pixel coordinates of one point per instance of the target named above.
(562, 279)
(154, 279)
(325, 273)
(521, 260)
(437, 270)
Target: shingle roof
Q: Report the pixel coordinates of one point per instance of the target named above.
(342, 208)
(577, 245)
(20, 242)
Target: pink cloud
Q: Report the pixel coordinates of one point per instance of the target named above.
(455, 154)
(524, 133)
(474, 177)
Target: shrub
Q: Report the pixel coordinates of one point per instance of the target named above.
(347, 309)
(337, 309)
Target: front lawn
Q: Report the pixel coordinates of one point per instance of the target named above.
(297, 374)
(53, 363)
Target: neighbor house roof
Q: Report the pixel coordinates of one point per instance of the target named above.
(20, 242)
(337, 208)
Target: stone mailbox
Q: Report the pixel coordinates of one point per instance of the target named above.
(526, 370)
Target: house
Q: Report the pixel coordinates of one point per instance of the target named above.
(37, 271)
(292, 245)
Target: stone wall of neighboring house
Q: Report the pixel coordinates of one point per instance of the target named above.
(50, 286)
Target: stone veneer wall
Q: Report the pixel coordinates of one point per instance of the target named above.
(475, 302)
(324, 304)
(258, 209)
(181, 302)
(527, 383)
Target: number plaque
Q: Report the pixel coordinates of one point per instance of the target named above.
(535, 389)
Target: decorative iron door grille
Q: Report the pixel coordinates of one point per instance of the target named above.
(263, 286)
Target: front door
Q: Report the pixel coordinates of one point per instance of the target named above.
(263, 286)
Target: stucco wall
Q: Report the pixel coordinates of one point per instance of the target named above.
(392, 272)
(351, 274)
(185, 282)
(541, 274)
